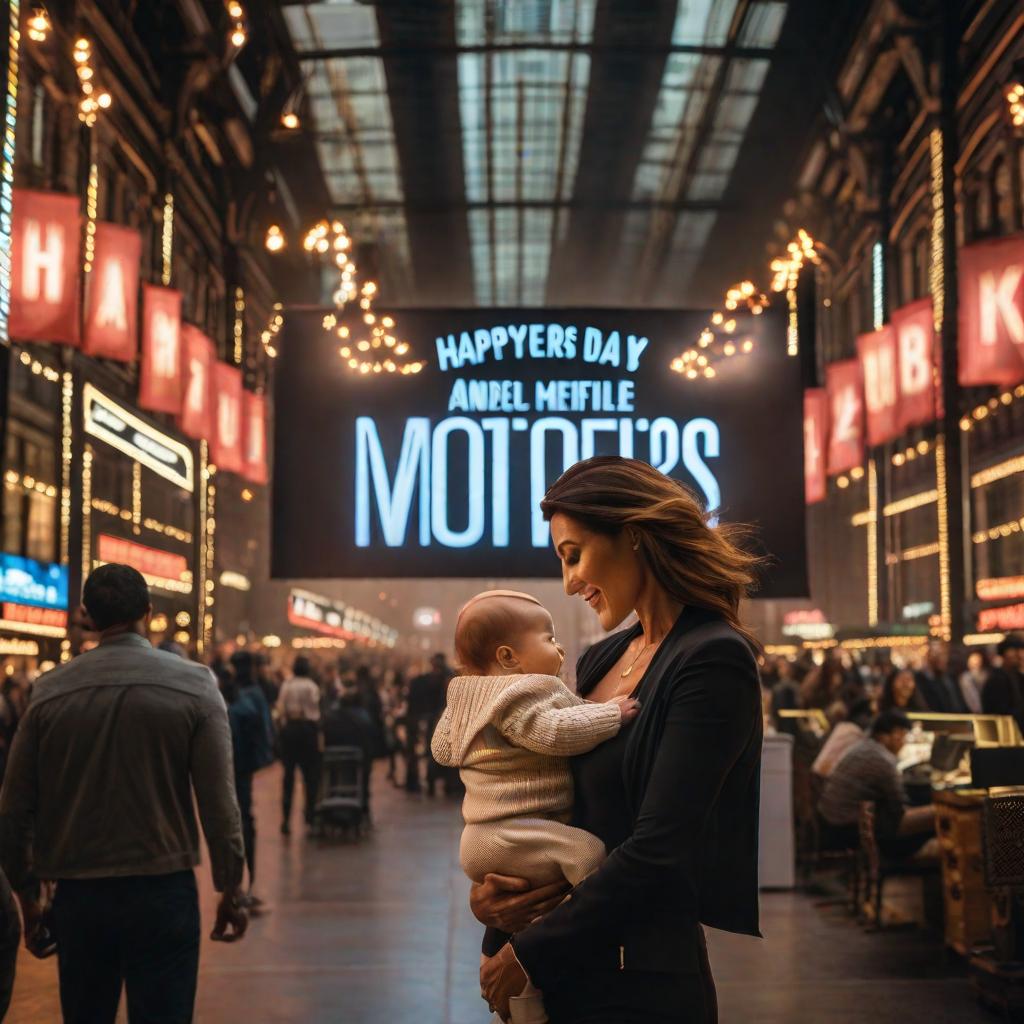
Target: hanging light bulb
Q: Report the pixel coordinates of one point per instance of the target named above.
(38, 24)
(275, 240)
(290, 120)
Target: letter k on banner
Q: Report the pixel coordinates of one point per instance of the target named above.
(992, 313)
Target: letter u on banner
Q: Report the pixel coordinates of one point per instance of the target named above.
(845, 416)
(45, 231)
(226, 440)
(112, 294)
(916, 357)
(255, 453)
(160, 383)
(877, 354)
(815, 432)
(197, 360)
(992, 313)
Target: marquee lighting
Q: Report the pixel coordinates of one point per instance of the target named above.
(1014, 93)
(38, 24)
(7, 163)
(272, 330)
(93, 98)
(992, 407)
(167, 239)
(998, 472)
(998, 531)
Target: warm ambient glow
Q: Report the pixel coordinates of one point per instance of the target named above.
(1014, 93)
(275, 240)
(38, 25)
(290, 120)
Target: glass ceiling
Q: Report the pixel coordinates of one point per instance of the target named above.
(523, 77)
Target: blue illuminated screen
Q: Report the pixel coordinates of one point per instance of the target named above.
(25, 581)
(441, 473)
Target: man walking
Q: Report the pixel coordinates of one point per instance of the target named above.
(298, 719)
(423, 709)
(98, 796)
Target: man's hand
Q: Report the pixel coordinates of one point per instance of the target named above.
(232, 920)
(509, 904)
(39, 939)
(501, 977)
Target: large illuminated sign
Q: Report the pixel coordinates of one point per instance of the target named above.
(164, 569)
(133, 436)
(24, 618)
(26, 581)
(441, 473)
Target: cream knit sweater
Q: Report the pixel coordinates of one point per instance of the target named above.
(510, 736)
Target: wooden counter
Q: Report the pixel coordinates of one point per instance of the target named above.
(968, 909)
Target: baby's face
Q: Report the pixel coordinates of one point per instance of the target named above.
(535, 646)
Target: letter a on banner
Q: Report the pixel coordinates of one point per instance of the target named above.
(226, 444)
(845, 416)
(197, 361)
(255, 420)
(44, 272)
(815, 432)
(877, 353)
(992, 313)
(916, 356)
(112, 294)
(160, 384)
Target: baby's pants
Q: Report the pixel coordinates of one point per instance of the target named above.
(538, 849)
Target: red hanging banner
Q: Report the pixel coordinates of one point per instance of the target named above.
(226, 443)
(160, 383)
(45, 229)
(112, 294)
(815, 433)
(877, 353)
(845, 416)
(197, 360)
(255, 468)
(992, 312)
(917, 353)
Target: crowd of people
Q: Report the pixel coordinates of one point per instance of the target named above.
(866, 705)
(102, 756)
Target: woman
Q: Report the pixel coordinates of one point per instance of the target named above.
(900, 692)
(674, 796)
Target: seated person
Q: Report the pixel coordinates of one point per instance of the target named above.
(843, 738)
(870, 771)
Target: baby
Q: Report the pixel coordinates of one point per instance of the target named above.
(510, 727)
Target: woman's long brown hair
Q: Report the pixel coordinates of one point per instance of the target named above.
(696, 564)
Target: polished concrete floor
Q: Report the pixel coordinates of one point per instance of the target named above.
(380, 933)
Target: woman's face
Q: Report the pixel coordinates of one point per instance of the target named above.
(903, 687)
(603, 570)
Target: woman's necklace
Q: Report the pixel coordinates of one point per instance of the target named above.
(626, 671)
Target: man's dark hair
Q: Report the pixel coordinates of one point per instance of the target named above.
(302, 668)
(1011, 642)
(243, 664)
(115, 595)
(888, 722)
(861, 712)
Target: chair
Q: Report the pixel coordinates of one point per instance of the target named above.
(1002, 844)
(877, 869)
(341, 799)
(820, 856)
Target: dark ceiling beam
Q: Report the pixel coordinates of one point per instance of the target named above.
(596, 203)
(631, 45)
(638, 48)
(423, 93)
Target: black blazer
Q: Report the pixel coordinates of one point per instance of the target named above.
(692, 773)
(941, 693)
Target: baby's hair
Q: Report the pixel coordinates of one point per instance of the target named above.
(478, 636)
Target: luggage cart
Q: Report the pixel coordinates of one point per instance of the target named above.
(340, 806)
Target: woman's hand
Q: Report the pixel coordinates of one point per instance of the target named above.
(501, 977)
(509, 904)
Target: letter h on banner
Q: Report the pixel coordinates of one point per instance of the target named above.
(45, 230)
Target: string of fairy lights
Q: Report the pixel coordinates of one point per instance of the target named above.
(368, 344)
(723, 338)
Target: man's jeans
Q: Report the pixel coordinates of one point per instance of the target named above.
(142, 932)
